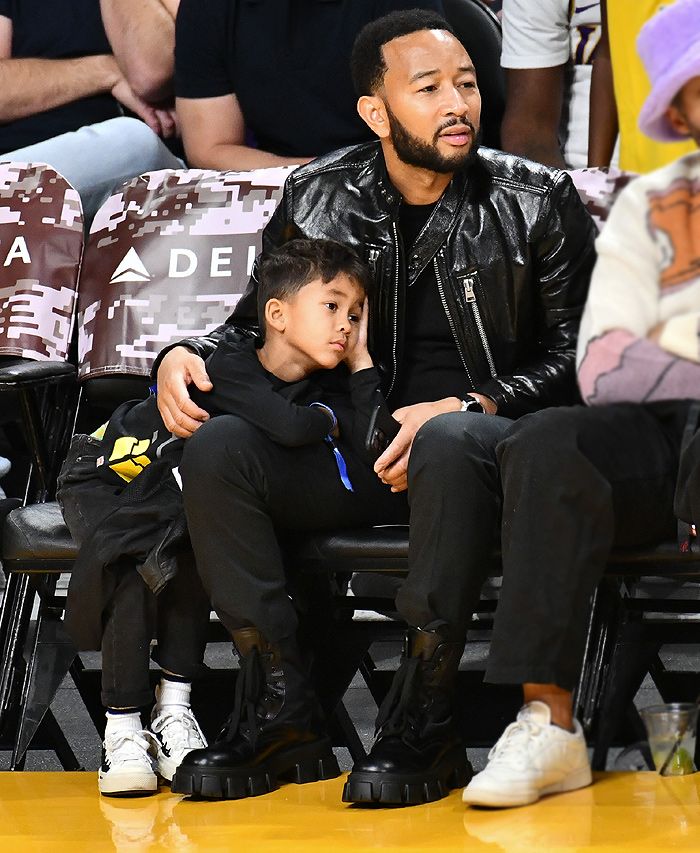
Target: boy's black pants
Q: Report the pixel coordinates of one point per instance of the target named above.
(178, 618)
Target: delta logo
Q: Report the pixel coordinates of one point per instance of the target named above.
(182, 263)
(130, 268)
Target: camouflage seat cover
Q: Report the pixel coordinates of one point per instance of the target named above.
(599, 188)
(167, 258)
(41, 244)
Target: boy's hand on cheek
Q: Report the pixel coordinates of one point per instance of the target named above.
(358, 357)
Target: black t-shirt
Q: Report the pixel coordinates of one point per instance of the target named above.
(56, 29)
(431, 367)
(287, 62)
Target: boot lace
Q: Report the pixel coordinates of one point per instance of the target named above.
(397, 715)
(249, 686)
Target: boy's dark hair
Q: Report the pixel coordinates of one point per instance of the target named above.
(367, 60)
(284, 271)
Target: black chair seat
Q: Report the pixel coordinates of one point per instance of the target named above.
(36, 534)
(20, 372)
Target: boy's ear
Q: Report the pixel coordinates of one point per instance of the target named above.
(373, 112)
(677, 121)
(275, 315)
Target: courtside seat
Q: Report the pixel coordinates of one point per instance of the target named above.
(36, 541)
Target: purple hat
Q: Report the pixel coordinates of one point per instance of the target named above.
(669, 45)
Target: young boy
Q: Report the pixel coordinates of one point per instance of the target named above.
(120, 496)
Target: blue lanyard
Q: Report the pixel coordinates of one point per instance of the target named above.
(340, 462)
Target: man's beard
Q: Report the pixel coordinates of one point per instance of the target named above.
(415, 152)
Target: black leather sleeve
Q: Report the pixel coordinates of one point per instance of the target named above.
(564, 257)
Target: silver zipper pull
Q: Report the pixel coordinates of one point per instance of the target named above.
(469, 294)
(372, 259)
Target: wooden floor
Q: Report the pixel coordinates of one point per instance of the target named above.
(621, 811)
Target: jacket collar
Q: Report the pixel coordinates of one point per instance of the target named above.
(441, 222)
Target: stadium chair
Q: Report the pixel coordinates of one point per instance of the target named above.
(41, 244)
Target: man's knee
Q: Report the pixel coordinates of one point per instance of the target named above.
(146, 150)
(456, 437)
(547, 438)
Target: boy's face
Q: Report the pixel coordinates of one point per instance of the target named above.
(684, 115)
(322, 321)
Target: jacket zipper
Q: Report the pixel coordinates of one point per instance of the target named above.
(470, 296)
(372, 259)
(441, 291)
(396, 309)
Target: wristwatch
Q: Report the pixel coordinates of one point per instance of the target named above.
(472, 405)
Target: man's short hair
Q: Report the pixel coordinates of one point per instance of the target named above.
(367, 61)
(284, 271)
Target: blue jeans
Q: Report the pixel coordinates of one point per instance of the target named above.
(97, 158)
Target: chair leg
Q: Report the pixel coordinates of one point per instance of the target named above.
(51, 655)
(16, 615)
(632, 656)
(602, 626)
(51, 733)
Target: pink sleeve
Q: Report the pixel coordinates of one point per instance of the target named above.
(618, 367)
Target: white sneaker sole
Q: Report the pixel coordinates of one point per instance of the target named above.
(127, 784)
(504, 799)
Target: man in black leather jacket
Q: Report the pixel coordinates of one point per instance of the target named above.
(482, 262)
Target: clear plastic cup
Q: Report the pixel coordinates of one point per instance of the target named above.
(671, 730)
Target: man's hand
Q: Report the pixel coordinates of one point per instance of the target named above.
(161, 121)
(392, 465)
(177, 370)
(358, 357)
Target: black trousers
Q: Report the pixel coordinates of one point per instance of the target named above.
(575, 482)
(178, 618)
(567, 485)
(241, 490)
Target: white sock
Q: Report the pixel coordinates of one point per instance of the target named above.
(171, 693)
(121, 723)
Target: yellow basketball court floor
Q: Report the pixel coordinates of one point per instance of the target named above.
(621, 811)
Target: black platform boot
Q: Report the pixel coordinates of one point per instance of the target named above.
(274, 733)
(418, 755)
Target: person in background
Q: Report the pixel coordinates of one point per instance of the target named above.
(619, 87)
(240, 110)
(547, 51)
(63, 94)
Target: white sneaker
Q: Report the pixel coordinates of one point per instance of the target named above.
(128, 764)
(531, 758)
(176, 732)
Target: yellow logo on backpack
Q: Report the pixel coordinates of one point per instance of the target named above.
(128, 452)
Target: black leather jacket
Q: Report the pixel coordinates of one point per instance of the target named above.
(512, 246)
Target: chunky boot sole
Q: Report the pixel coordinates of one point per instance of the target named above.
(301, 764)
(409, 789)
